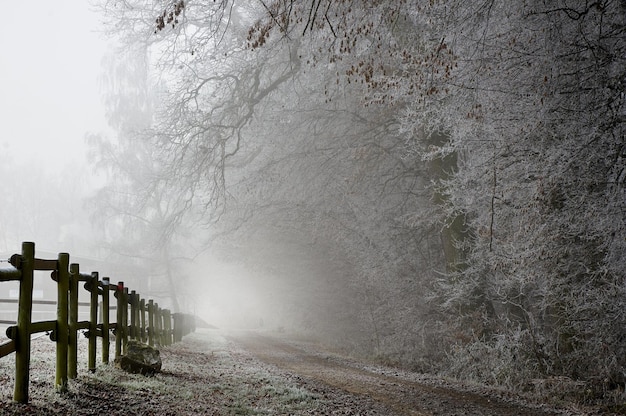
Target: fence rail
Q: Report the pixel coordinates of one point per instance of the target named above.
(160, 328)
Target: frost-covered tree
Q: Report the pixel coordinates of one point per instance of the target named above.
(468, 154)
(142, 213)
(268, 136)
(535, 113)
(520, 108)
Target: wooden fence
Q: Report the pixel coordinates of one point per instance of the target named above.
(161, 327)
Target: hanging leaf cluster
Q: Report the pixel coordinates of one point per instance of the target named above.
(170, 16)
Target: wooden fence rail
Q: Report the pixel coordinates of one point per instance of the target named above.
(163, 328)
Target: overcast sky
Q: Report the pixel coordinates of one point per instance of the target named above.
(49, 79)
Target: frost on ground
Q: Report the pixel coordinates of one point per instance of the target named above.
(203, 375)
(211, 373)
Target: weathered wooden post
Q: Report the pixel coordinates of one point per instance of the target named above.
(24, 311)
(119, 325)
(125, 321)
(158, 324)
(151, 322)
(178, 326)
(142, 318)
(72, 347)
(189, 324)
(93, 321)
(62, 330)
(132, 300)
(170, 326)
(105, 319)
(162, 326)
(167, 327)
(9, 275)
(137, 317)
(184, 325)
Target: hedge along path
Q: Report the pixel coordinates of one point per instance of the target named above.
(64, 330)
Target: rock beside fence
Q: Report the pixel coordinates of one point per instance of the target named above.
(140, 359)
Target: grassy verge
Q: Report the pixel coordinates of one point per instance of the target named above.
(201, 375)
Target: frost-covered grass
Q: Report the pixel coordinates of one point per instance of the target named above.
(202, 375)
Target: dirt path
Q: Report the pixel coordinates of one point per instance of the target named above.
(401, 393)
(249, 373)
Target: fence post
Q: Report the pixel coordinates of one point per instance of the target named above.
(160, 329)
(137, 317)
(62, 330)
(72, 347)
(185, 325)
(142, 318)
(132, 299)
(125, 321)
(164, 327)
(93, 321)
(105, 320)
(167, 327)
(161, 326)
(151, 322)
(119, 326)
(22, 340)
(158, 323)
(177, 334)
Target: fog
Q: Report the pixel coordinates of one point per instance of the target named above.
(427, 184)
(50, 78)
(269, 286)
(230, 297)
(56, 80)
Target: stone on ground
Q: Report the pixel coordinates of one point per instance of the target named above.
(140, 359)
